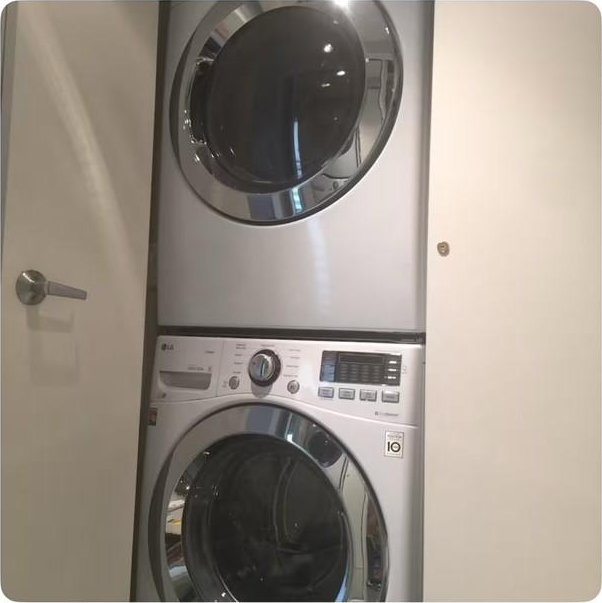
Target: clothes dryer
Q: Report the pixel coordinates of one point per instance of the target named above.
(292, 172)
(282, 471)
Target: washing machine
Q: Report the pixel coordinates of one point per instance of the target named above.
(292, 164)
(282, 471)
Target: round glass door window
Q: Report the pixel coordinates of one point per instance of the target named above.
(274, 516)
(284, 105)
(275, 532)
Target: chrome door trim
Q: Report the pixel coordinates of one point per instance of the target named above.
(383, 76)
(187, 459)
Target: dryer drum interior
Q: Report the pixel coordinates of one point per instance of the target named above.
(278, 512)
(279, 107)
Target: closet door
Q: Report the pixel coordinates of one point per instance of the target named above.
(78, 113)
(513, 358)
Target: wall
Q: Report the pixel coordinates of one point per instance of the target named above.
(513, 356)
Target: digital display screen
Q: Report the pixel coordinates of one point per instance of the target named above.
(360, 368)
(361, 358)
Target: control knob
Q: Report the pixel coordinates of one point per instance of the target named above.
(264, 367)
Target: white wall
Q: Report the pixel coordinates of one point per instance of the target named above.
(513, 367)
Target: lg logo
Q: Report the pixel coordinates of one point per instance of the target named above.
(394, 444)
(167, 346)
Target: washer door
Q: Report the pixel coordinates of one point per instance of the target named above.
(279, 107)
(261, 504)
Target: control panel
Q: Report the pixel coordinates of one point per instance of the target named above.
(361, 367)
(382, 381)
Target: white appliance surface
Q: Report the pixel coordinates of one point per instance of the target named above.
(358, 264)
(193, 383)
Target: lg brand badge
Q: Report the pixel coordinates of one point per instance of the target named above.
(394, 443)
(167, 346)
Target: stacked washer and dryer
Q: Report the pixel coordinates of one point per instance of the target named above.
(283, 457)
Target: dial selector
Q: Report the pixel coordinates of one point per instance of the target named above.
(264, 367)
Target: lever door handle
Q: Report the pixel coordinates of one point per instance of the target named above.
(32, 287)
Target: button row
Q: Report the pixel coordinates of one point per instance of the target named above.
(368, 395)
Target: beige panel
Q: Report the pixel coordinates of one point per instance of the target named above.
(513, 356)
(77, 209)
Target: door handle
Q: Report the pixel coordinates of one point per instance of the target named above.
(32, 287)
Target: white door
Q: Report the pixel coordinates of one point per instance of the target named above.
(77, 203)
(512, 485)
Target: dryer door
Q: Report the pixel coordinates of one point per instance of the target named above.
(279, 107)
(258, 503)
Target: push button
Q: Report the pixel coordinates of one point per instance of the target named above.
(390, 397)
(346, 393)
(369, 395)
(326, 392)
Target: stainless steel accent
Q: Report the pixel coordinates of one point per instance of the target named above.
(293, 386)
(326, 392)
(390, 397)
(368, 564)
(383, 85)
(443, 248)
(346, 393)
(32, 287)
(368, 395)
(264, 367)
(233, 382)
